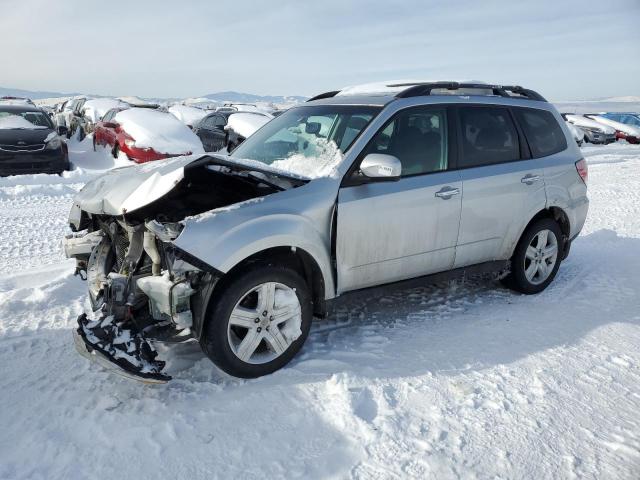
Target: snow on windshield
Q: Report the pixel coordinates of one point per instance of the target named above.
(10, 121)
(320, 160)
(159, 130)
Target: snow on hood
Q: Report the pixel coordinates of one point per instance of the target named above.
(94, 110)
(581, 121)
(186, 114)
(246, 124)
(8, 122)
(159, 130)
(622, 127)
(126, 189)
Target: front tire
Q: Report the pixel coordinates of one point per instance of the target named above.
(537, 257)
(258, 321)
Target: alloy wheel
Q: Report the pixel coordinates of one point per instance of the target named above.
(541, 256)
(264, 323)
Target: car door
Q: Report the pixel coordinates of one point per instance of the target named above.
(389, 231)
(219, 133)
(501, 184)
(203, 130)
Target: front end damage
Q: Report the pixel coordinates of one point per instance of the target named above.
(142, 288)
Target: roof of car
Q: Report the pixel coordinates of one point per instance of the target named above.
(375, 100)
(19, 108)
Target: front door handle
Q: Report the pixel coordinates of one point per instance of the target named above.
(446, 193)
(530, 179)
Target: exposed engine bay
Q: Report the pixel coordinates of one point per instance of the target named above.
(141, 287)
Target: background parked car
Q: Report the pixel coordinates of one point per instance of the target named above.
(594, 132)
(186, 114)
(145, 134)
(93, 110)
(577, 132)
(627, 118)
(623, 131)
(228, 128)
(29, 142)
(11, 100)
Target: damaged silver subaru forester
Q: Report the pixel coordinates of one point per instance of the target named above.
(353, 190)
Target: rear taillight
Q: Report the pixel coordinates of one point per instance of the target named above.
(583, 170)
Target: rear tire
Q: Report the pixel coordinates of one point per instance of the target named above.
(240, 312)
(537, 257)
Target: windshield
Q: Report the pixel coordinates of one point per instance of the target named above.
(23, 120)
(309, 140)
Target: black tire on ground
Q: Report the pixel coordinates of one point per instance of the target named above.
(517, 279)
(215, 343)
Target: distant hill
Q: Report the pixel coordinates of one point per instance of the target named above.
(34, 95)
(237, 97)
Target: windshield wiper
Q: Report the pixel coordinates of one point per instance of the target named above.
(266, 182)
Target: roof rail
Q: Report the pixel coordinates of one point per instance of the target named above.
(330, 94)
(422, 89)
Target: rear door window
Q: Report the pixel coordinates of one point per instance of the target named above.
(544, 135)
(488, 136)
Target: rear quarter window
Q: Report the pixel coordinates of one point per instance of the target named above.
(544, 135)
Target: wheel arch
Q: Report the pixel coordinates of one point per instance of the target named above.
(554, 213)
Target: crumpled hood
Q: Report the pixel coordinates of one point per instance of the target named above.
(126, 189)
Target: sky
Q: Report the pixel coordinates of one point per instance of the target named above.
(565, 49)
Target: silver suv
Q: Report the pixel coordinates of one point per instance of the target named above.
(351, 190)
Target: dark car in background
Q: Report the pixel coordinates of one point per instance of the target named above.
(29, 142)
(226, 128)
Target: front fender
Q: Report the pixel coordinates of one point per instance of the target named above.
(224, 240)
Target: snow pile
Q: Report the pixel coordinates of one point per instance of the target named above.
(246, 124)
(95, 109)
(159, 130)
(320, 160)
(8, 122)
(186, 114)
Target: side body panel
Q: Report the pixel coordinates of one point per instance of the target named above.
(496, 206)
(392, 231)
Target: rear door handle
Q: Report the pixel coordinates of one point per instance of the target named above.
(446, 193)
(530, 179)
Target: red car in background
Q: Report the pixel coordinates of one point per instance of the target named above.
(145, 134)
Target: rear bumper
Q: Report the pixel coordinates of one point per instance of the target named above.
(44, 161)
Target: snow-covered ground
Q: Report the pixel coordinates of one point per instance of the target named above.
(450, 381)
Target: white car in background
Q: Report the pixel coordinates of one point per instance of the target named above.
(577, 132)
(624, 131)
(594, 132)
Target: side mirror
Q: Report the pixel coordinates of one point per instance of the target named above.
(380, 166)
(61, 130)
